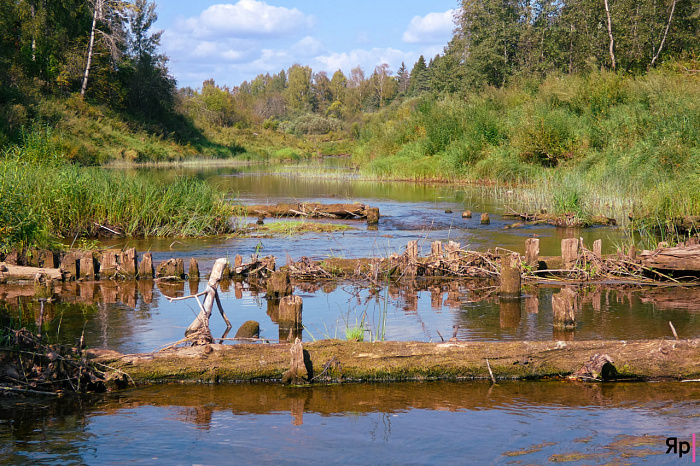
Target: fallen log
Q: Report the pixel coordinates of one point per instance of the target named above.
(678, 258)
(398, 361)
(310, 210)
(18, 272)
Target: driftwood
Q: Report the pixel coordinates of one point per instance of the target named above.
(198, 331)
(314, 210)
(678, 258)
(567, 220)
(18, 272)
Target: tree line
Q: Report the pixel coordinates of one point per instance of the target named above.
(104, 50)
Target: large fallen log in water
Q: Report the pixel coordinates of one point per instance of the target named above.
(678, 258)
(309, 210)
(334, 360)
(18, 272)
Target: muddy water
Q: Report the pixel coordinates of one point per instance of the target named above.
(415, 423)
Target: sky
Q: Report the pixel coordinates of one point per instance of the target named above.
(236, 41)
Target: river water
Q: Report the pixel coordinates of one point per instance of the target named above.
(419, 423)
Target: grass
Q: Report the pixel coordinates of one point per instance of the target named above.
(588, 144)
(43, 198)
(297, 227)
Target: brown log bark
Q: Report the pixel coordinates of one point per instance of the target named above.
(20, 272)
(532, 252)
(686, 258)
(569, 251)
(312, 210)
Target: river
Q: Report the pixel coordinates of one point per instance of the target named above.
(419, 423)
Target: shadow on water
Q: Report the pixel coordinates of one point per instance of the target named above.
(469, 422)
(134, 316)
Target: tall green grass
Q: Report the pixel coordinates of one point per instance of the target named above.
(598, 143)
(43, 197)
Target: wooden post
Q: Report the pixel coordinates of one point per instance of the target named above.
(412, 257)
(109, 265)
(452, 248)
(598, 249)
(467, 214)
(373, 215)
(532, 252)
(485, 220)
(564, 306)
(436, 250)
(290, 310)
(569, 251)
(201, 323)
(146, 266)
(87, 266)
(128, 263)
(69, 264)
(510, 275)
(194, 269)
(49, 259)
(279, 284)
(172, 268)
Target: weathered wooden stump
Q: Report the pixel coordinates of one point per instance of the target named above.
(510, 276)
(87, 266)
(279, 284)
(564, 307)
(12, 258)
(194, 269)
(290, 311)
(532, 252)
(373, 215)
(436, 250)
(146, 270)
(128, 263)
(598, 249)
(48, 259)
(412, 258)
(467, 214)
(172, 268)
(569, 251)
(69, 265)
(109, 265)
(301, 370)
(453, 249)
(249, 329)
(677, 258)
(485, 219)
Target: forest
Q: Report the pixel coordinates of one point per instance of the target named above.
(588, 104)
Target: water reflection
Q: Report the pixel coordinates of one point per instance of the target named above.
(136, 317)
(420, 423)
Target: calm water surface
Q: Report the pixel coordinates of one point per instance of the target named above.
(412, 423)
(417, 423)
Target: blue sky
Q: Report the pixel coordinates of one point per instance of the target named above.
(236, 41)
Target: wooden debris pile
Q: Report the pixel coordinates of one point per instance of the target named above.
(30, 365)
(567, 220)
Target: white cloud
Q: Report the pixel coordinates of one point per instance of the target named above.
(367, 59)
(430, 29)
(308, 47)
(243, 19)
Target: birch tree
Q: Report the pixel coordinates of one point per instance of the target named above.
(108, 19)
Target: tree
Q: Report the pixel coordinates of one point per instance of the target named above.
(339, 84)
(108, 19)
(420, 82)
(403, 79)
(298, 92)
(384, 84)
(151, 89)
